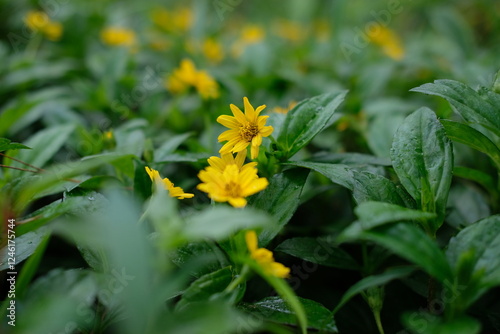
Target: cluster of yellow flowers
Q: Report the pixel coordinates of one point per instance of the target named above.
(187, 76)
(228, 179)
(388, 40)
(38, 21)
(117, 36)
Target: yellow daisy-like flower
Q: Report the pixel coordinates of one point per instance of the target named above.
(388, 40)
(177, 192)
(188, 76)
(39, 21)
(244, 129)
(264, 257)
(115, 36)
(231, 185)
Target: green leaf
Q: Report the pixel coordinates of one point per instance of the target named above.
(306, 120)
(373, 214)
(423, 322)
(208, 252)
(364, 185)
(411, 243)
(45, 144)
(422, 157)
(483, 239)
(473, 107)
(320, 251)
(373, 281)
(6, 144)
(26, 245)
(169, 146)
(464, 134)
(280, 199)
(220, 222)
(277, 310)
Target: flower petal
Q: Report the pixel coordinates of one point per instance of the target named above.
(228, 121)
(238, 114)
(266, 131)
(251, 240)
(238, 202)
(249, 111)
(240, 146)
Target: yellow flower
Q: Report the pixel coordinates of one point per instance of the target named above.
(388, 41)
(228, 159)
(177, 21)
(182, 19)
(172, 190)
(252, 34)
(244, 129)
(39, 21)
(161, 17)
(116, 36)
(206, 86)
(53, 31)
(232, 184)
(188, 76)
(213, 50)
(281, 110)
(290, 30)
(264, 257)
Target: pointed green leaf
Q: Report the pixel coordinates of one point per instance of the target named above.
(318, 251)
(280, 199)
(422, 157)
(308, 118)
(6, 144)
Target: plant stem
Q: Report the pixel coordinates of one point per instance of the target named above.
(239, 279)
(376, 315)
(23, 169)
(22, 162)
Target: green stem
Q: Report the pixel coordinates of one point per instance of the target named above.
(376, 315)
(242, 277)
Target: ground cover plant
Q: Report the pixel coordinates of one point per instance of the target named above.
(236, 166)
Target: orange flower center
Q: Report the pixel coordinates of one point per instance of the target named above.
(249, 131)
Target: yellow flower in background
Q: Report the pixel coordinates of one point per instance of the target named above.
(206, 86)
(264, 257)
(388, 41)
(244, 129)
(177, 192)
(322, 30)
(281, 110)
(232, 184)
(116, 36)
(212, 50)
(179, 20)
(229, 159)
(39, 21)
(188, 76)
(290, 30)
(252, 34)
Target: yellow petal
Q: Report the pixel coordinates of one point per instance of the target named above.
(238, 114)
(228, 135)
(266, 131)
(259, 109)
(251, 240)
(256, 186)
(238, 202)
(257, 140)
(249, 111)
(228, 121)
(254, 152)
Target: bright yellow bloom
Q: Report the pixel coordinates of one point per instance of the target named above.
(388, 41)
(213, 50)
(264, 257)
(231, 185)
(116, 36)
(252, 34)
(39, 21)
(281, 110)
(188, 76)
(172, 190)
(244, 129)
(228, 159)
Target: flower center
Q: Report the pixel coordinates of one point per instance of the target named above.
(249, 131)
(232, 189)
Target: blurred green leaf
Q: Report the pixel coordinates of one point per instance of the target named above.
(276, 309)
(411, 243)
(422, 322)
(169, 146)
(306, 120)
(422, 157)
(205, 287)
(373, 281)
(26, 245)
(318, 251)
(280, 199)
